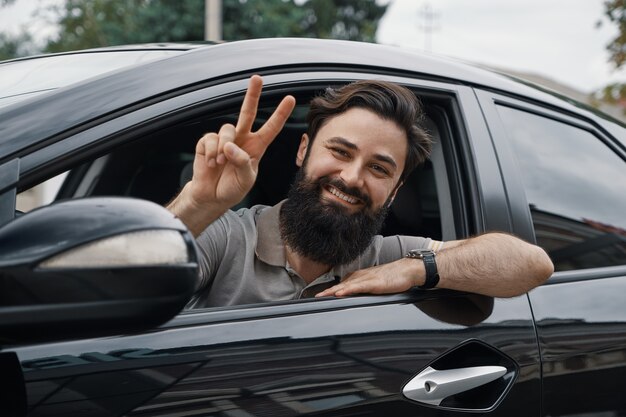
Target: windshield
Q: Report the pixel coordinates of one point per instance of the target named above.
(22, 79)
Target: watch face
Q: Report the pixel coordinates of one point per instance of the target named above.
(420, 253)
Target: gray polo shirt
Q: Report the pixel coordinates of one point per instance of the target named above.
(242, 260)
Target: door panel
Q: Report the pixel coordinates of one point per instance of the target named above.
(564, 180)
(582, 334)
(339, 360)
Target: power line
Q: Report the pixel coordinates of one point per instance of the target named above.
(428, 24)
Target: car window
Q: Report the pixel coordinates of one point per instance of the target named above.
(156, 166)
(574, 184)
(40, 195)
(155, 162)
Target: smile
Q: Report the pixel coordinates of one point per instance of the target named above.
(342, 196)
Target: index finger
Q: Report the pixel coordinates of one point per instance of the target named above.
(272, 127)
(250, 105)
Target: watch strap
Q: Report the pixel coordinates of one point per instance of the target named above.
(430, 266)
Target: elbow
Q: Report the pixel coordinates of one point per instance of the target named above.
(539, 268)
(544, 268)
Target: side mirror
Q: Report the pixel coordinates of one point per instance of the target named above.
(93, 267)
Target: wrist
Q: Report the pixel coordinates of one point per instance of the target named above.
(426, 258)
(415, 271)
(195, 215)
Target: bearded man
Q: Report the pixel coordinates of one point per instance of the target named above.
(362, 141)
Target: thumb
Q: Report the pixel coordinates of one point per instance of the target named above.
(236, 155)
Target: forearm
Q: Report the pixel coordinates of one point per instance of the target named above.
(493, 264)
(196, 217)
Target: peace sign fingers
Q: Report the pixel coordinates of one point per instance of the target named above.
(272, 127)
(255, 143)
(226, 163)
(250, 106)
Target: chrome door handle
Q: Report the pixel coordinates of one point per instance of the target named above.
(432, 386)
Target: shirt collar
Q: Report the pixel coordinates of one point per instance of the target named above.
(269, 246)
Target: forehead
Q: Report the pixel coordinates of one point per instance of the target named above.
(369, 132)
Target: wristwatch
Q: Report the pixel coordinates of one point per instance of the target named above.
(430, 265)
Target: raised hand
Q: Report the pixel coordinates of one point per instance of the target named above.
(226, 163)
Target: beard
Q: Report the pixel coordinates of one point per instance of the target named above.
(323, 231)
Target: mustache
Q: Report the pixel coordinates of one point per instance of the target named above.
(344, 188)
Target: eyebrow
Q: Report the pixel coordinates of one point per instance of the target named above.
(379, 157)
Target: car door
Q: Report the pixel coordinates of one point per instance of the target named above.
(567, 175)
(355, 356)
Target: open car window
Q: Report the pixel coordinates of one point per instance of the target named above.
(155, 165)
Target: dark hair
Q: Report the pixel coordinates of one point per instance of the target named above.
(388, 100)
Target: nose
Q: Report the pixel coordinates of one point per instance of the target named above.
(351, 175)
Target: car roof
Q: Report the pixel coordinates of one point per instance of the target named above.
(23, 78)
(34, 120)
(163, 46)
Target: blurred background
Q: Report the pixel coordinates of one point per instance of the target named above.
(576, 47)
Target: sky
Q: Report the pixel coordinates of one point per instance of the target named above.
(553, 38)
(557, 39)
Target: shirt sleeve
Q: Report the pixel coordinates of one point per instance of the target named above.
(396, 247)
(211, 244)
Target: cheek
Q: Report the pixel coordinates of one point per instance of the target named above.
(380, 191)
(321, 165)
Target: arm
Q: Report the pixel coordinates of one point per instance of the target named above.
(493, 264)
(226, 163)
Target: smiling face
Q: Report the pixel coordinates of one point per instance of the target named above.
(360, 155)
(349, 175)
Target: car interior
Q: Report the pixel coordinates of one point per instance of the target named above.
(156, 166)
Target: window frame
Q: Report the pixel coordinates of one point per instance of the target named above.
(467, 211)
(100, 139)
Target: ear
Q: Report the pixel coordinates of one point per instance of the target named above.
(304, 144)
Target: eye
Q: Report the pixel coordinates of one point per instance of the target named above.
(380, 169)
(340, 152)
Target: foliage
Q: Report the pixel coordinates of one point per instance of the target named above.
(334, 19)
(15, 46)
(93, 23)
(615, 11)
(261, 19)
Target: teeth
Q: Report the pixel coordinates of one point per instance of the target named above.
(341, 195)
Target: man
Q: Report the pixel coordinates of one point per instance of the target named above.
(362, 141)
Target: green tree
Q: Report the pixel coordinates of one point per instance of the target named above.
(261, 19)
(327, 19)
(93, 23)
(13, 46)
(615, 11)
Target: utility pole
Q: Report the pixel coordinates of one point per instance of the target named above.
(428, 24)
(212, 20)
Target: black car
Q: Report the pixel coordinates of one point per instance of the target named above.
(93, 286)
